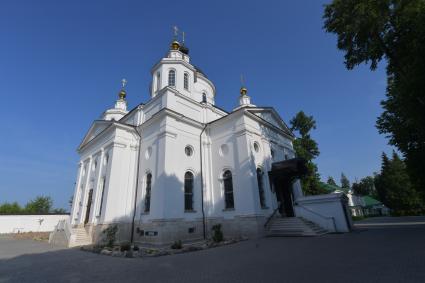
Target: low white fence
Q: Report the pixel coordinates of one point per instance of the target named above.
(30, 223)
(328, 211)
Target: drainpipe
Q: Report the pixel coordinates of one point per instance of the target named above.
(202, 184)
(137, 188)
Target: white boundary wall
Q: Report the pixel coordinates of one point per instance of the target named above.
(326, 211)
(30, 223)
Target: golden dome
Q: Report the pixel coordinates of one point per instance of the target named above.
(175, 45)
(243, 91)
(122, 94)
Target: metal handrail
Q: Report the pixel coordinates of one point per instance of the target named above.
(270, 217)
(320, 215)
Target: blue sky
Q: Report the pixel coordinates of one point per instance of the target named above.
(61, 63)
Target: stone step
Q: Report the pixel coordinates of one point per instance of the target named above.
(82, 237)
(85, 238)
(293, 226)
(296, 220)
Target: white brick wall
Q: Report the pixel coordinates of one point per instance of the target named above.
(29, 223)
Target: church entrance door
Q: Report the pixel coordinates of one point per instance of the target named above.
(89, 201)
(282, 175)
(285, 197)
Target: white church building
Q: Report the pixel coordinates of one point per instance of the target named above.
(172, 167)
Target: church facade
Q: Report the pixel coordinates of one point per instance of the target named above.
(171, 168)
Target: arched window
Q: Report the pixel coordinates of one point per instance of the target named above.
(261, 187)
(172, 78)
(188, 191)
(204, 97)
(186, 81)
(228, 190)
(158, 81)
(188, 150)
(148, 192)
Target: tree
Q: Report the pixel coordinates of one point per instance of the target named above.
(305, 147)
(59, 211)
(345, 183)
(41, 204)
(10, 208)
(395, 189)
(331, 181)
(393, 30)
(366, 186)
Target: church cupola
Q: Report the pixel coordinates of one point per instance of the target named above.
(244, 99)
(120, 108)
(175, 73)
(175, 45)
(121, 103)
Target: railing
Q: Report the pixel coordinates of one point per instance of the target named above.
(63, 226)
(315, 214)
(270, 217)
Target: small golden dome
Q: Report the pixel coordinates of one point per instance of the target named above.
(243, 91)
(122, 94)
(175, 45)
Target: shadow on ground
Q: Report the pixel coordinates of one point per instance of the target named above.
(366, 255)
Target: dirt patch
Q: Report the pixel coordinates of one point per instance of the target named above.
(37, 236)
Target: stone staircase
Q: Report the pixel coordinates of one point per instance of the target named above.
(293, 227)
(82, 237)
(66, 236)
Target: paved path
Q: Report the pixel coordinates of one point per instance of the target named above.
(10, 248)
(383, 254)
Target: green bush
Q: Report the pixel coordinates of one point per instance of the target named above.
(125, 246)
(110, 235)
(218, 234)
(177, 245)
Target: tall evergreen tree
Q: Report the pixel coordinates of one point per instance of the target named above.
(395, 189)
(364, 187)
(331, 181)
(345, 183)
(307, 148)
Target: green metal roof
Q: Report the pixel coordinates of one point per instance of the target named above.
(370, 201)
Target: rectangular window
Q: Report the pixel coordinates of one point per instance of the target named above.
(148, 192)
(186, 81)
(158, 81)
